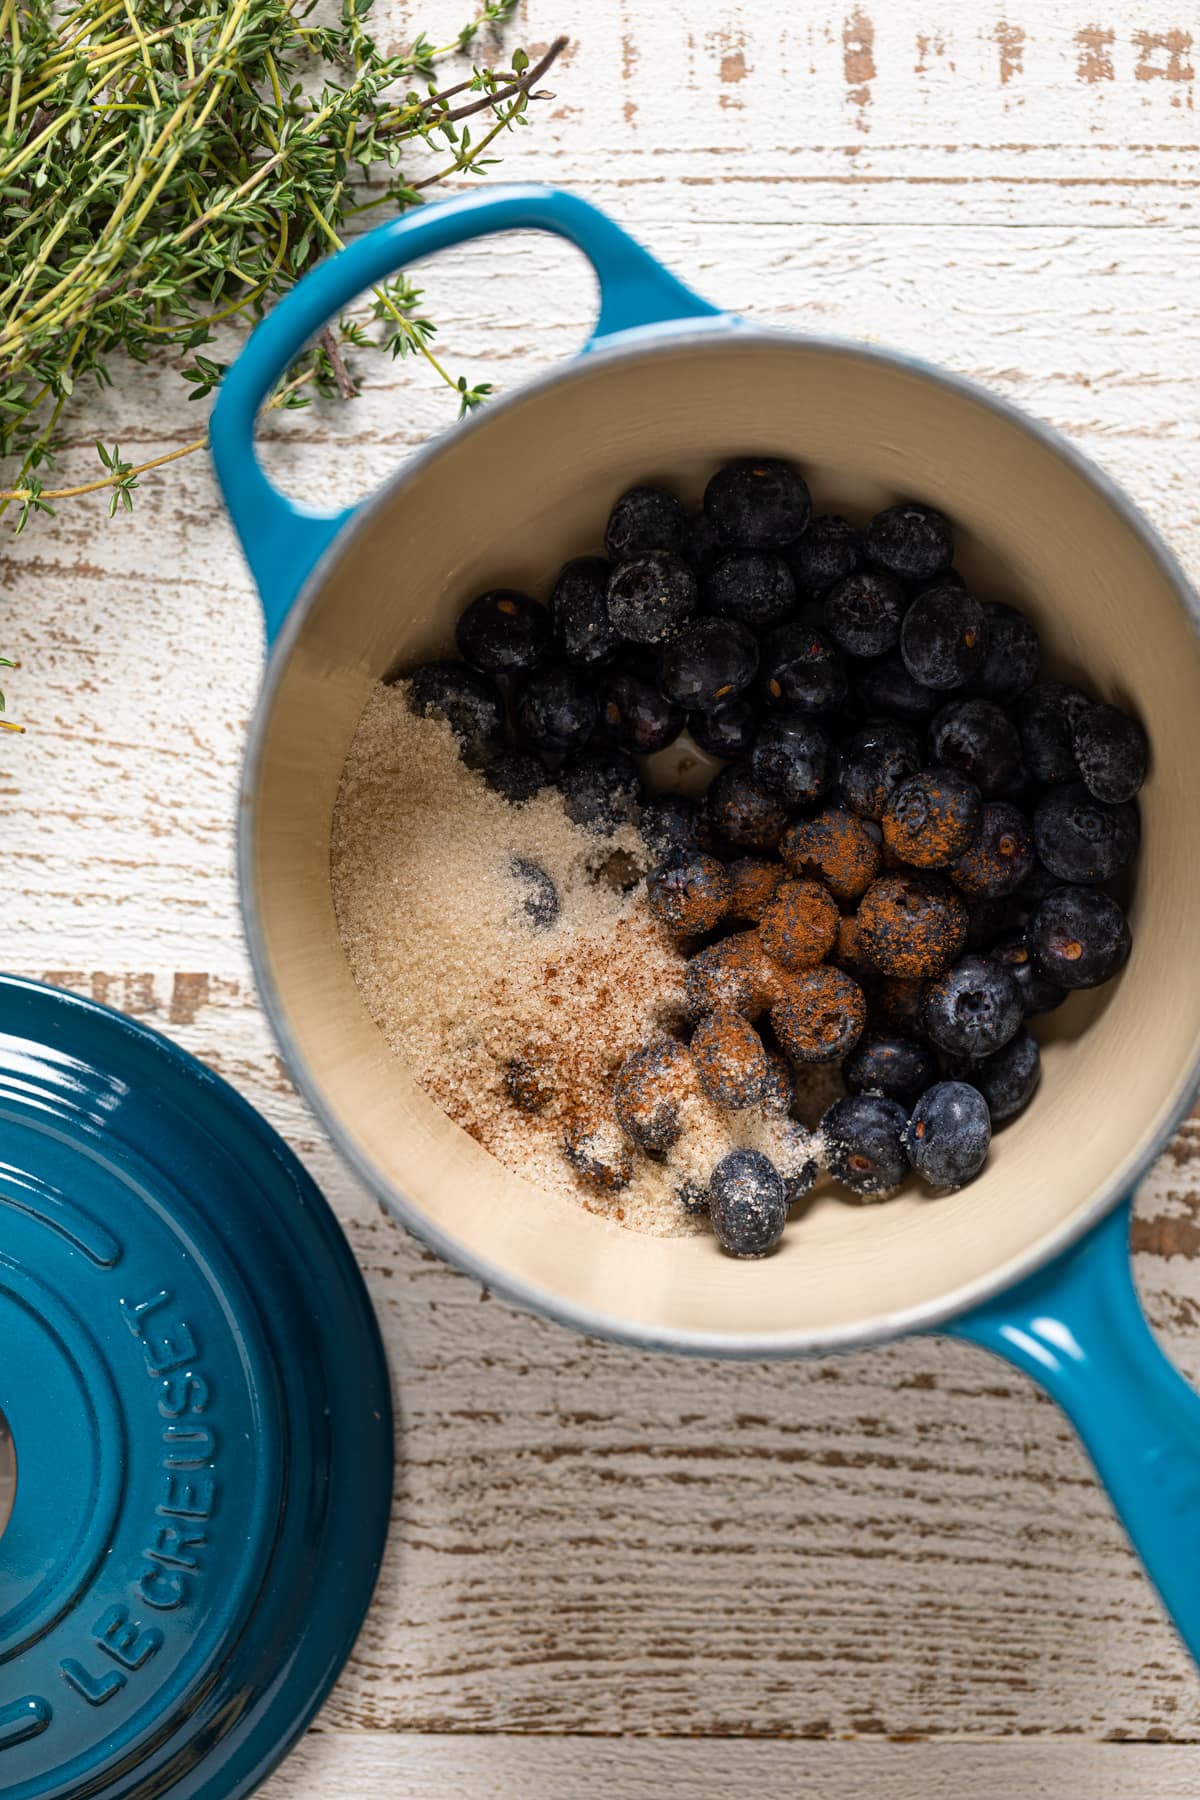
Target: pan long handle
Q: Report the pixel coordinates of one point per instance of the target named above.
(1078, 1329)
(283, 539)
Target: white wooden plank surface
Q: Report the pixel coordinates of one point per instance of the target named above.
(589, 1541)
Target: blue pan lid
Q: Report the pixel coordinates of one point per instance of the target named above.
(198, 1405)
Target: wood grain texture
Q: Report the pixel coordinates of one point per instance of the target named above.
(590, 1541)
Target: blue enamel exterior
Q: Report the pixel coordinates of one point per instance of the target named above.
(201, 1413)
(1075, 1326)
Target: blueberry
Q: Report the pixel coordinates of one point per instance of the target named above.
(1001, 857)
(973, 1009)
(710, 662)
(747, 1203)
(701, 548)
(943, 639)
(821, 1015)
(978, 738)
(1048, 714)
(539, 904)
(741, 811)
(1008, 1077)
(1078, 938)
(910, 926)
(794, 1154)
(834, 847)
(879, 756)
(949, 1134)
(885, 1063)
(649, 1091)
(644, 519)
(670, 822)
(1110, 748)
(556, 710)
(801, 667)
(885, 686)
(735, 971)
(779, 1089)
(799, 925)
(1081, 839)
(528, 1085)
(753, 586)
(828, 550)
(932, 818)
(504, 633)
(758, 503)
(1013, 653)
(598, 1152)
(601, 789)
(634, 715)
(579, 610)
(1033, 890)
(650, 598)
(793, 759)
(864, 1143)
(1038, 993)
(516, 774)
(863, 613)
(910, 541)
(728, 730)
(987, 918)
(470, 703)
(693, 1197)
(730, 1060)
(688, 893)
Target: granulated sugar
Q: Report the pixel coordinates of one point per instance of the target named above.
(449, 927)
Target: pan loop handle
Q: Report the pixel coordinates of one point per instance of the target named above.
(284, 539)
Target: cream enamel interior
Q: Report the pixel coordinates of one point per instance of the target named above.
(504, 501)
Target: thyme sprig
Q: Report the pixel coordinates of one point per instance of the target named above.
(169, 167)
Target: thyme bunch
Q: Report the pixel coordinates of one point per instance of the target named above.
(169, 167)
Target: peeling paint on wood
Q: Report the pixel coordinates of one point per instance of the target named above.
(904, 1545)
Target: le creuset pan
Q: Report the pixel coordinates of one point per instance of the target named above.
(1032, 1259)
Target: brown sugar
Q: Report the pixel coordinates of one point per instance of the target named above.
(799, 926)
(911, 926)
(835, 848)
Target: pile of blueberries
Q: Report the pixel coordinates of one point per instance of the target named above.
(857, 693)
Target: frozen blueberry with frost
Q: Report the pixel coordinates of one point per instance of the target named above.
(742, 813)
(701, 545)
(556, 709)
(887, 689)
(644, 519)
(758, 503)
(710, 662)
(538, 904)
(913, 542)
(863, 611)
(879, 756)
(747, 1203)
(974, 1009)
(932, 818)
(801, 667)
(504, 632)
(579, 611)
(886, 1063)
(1001, 857)
(864, 1144)
(730, 1059)
(1110, 749)
(1047, 714)
(1013, 653)
(793, 759)
(729, 729)
(753, 586)
(949, 1134)
(634, 715)
(470, 703)
(670, 822)
(1038, 993)
(943, 639)
(651, 597)
(1008, 1077)
(1080, 839)
(688, 893)
(978, 738)
(517, 775)
(601, 789)
(828, 550)
(649, 1091)
(1078, 938)
(597, 1151)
